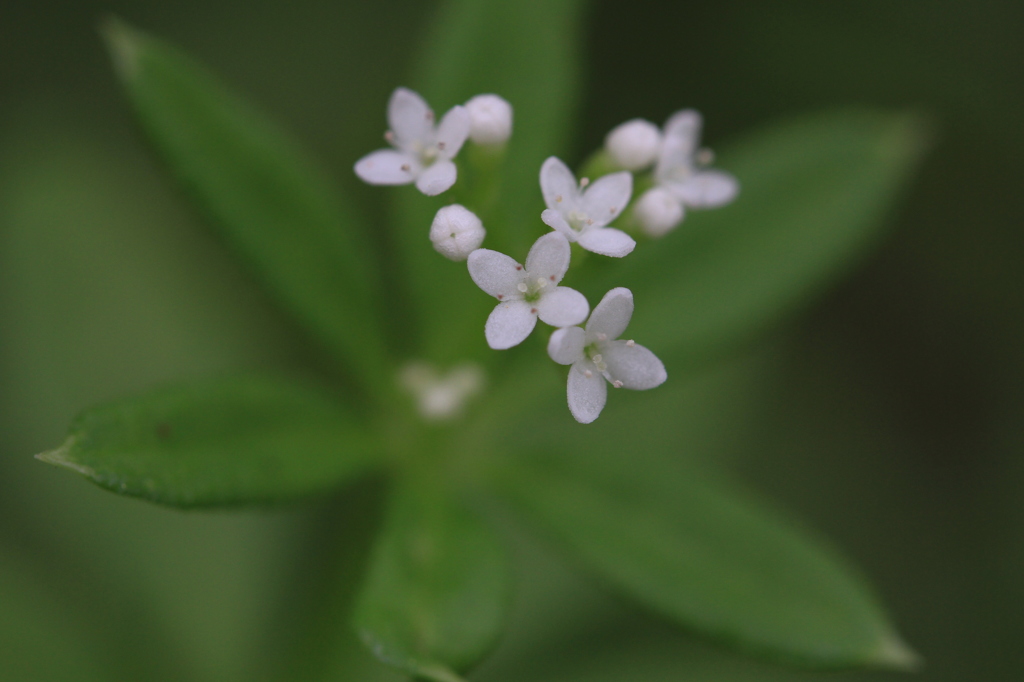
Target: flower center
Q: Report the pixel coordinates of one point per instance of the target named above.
(578, 220)
(532, 288)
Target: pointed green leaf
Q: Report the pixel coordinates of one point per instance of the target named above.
(238, 441)
(436, 594)
(269, 202)
(499, 47)
(814, 192)
(711, 560)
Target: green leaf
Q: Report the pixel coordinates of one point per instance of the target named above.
(814, 192)
(437, 591)
(268, 201)
(497, 47)
(710, 560)
(239, 441)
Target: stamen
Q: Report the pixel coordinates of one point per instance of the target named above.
(602, 366)
(501, 296)
(389, 137)
(406, 167)
(587, 373)
(613, 209)
(519, 267)
(522, 287)
(429, 116)
(584, 182)
(440, 145)
(533, 310)
(597, 359)
(541, 282)
(552, 278)
(631, 343)
(558, 199)
(602, 336)
(705, 157)
(590, 221)
(617, 384)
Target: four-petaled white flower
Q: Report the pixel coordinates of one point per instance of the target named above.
(596, 355)
(581, 213)
(423, 152)
(526, 293)
(681, 174)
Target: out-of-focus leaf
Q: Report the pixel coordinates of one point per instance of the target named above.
(270, 203)
(436, 594)
(813, 196)
(39, 641)
(239, 441)
(490, 47)
(708, 559)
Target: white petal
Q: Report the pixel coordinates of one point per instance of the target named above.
(607, 241)
(658, 211)
(611, 316)
(587, 395)
(410, 118)
(495, 273)
(562, 307)
(566, 345)
(437, 177)
(558, 185)
(452, 132)
(682, 129)
(509, 324)
(604, 199)
(387, 167)
(635, 366)
(682, 135)
(554, 220)
(549, 258)
(707, 189)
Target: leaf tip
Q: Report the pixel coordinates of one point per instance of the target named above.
(60, 457)
(123, 43)
(895, 654)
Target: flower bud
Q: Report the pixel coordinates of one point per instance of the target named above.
(490, 119)
(657, 211)
(634, 144)
(456, 232)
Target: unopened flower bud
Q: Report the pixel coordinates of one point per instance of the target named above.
(657, 211)
(456, 232)
(490, 119)
(634, 144)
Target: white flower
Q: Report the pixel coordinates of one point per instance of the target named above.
(490, 119)
(634, 145)
(422, 151)
(441, 397)
(596, 355)
(680, 170)
(456, 232)
(581, 213)
(681, 177)
(527, 293)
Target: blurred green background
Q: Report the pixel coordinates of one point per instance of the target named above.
(889, 418)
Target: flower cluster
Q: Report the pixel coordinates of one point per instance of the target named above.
(578, 211)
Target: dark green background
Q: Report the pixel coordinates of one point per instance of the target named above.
(890, 417)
